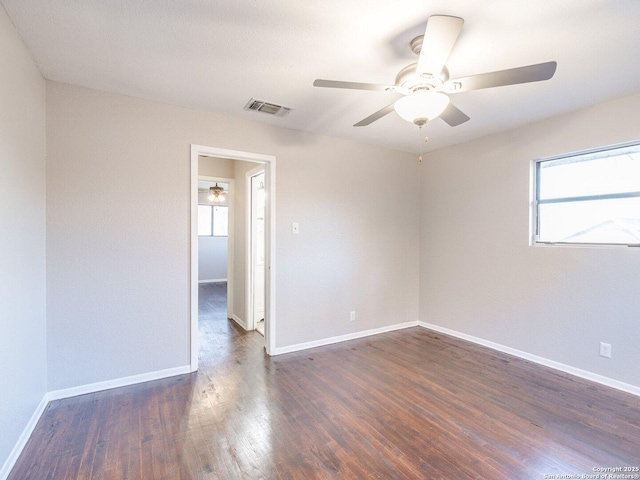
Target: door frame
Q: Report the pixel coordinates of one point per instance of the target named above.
(269, 162)
(249, 286)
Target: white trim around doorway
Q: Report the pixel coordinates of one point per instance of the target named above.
(269, 162)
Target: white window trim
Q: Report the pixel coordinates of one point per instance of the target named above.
(533, 200)
(213, 216)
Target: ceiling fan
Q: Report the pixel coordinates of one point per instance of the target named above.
(426, 84)
(216, 194)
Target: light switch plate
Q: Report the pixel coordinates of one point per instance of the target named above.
(295, 228)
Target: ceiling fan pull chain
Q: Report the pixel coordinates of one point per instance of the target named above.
(420, 155)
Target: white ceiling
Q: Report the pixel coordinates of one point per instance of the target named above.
(217, 54)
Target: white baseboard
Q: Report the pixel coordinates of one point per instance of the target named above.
(343, 338)
(24, 438)
(594, 377)
(117, 382)
(213, 280)
(239, 321)
(75, 391)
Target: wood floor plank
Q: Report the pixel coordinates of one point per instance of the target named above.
(409, 404)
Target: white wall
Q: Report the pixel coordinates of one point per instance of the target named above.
(212, 258)
(478, 276)
(118, 251)
(23, 368)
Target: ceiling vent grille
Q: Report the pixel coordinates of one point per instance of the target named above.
(266, 107)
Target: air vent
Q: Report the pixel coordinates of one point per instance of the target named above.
(266, 107)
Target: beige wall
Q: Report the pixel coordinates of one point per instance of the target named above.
(23, 369)
(219, 167)
(118, 251)
(478, 276)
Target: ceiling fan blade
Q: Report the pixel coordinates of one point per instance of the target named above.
(439, 37)
(453, 115)
(376, 116)
(512, 76)
(353, 85)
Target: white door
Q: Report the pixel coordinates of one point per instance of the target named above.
(257, 246)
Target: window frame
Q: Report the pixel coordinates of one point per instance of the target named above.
(213, 220)
(535, 203)
(212, 208)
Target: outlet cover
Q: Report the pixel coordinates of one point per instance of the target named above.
(352, 316)
(605, 350)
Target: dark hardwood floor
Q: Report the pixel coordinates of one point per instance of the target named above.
(410, 404)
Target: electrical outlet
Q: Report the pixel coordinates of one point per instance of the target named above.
(605, 350)
(352, 316)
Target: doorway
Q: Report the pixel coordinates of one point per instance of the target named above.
(268, 258)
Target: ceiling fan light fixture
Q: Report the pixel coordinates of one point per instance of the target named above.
(216, 194)
(422, 106)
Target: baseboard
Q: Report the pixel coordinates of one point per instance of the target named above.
(239, 321)
(213, 280)
(594, 377)
(343, 338)
(117, 382)
(73, 392)
(24, 438)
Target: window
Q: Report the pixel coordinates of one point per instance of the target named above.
(589, 197)
(220, 221)
(213, 220)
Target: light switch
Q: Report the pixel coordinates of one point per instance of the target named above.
(295, 228)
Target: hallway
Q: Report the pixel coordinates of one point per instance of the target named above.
(218, 336)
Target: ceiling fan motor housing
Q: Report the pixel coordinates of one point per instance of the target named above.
(408, 80)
